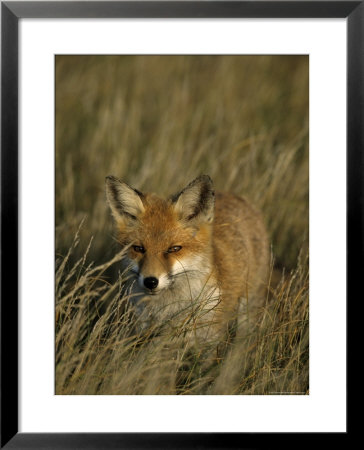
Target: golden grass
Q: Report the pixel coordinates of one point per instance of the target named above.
(157, 122)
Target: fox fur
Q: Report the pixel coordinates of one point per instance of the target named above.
(195, 251)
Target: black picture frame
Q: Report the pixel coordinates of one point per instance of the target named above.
(11, 12)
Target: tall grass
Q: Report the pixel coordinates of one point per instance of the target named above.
(157, 122)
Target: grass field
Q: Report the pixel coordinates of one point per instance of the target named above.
(157, 122)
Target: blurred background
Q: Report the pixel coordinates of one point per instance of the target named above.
(157, 122)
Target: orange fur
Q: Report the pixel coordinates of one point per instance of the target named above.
(221, 242)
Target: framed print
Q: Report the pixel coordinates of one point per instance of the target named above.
(173, 175)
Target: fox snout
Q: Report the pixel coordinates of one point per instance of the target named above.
(152, 274)
(151, 282)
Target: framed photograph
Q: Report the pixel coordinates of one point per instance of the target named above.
(181, 216)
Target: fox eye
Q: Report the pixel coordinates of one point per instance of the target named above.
(174, 249)
(139, 249)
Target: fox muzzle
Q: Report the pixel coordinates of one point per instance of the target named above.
(151, 282)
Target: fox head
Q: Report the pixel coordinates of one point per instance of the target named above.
(166, 239)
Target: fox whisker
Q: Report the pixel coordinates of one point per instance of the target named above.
(185, 272)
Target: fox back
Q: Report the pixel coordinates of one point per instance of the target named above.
(195, 251)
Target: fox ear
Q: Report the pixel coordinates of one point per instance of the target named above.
(125, 202)
(196, 201)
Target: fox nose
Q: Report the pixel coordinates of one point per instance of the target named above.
(151, 282)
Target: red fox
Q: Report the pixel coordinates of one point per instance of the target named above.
(193, 250)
